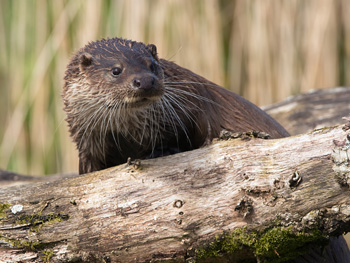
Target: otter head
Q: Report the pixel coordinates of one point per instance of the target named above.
(126, 72)
(110, 85)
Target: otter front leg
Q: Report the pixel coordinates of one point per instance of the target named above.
(85, 165)
(89, 163)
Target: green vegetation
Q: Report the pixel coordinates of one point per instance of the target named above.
(278, 244)
(23, 243)
(35, 220)
(47, 255)
(264, 50)
(3, 207)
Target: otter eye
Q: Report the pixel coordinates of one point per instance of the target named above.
(116, 71)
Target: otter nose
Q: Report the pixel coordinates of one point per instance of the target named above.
(145, 83)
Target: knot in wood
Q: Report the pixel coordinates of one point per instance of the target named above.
(244, 206)
(178, 204)
(295, 180)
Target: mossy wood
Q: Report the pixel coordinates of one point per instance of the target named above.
(238, 199)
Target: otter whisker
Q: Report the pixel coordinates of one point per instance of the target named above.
(103, 130)
(151, 132)
(114, 124)
(167, 116)
(155, 128)
(149, 121)
(110, 114)
(176, 89)
(158, 133)
(87, 124)
(97, 120)
(127, 132)
(182, 107)
(146, 126)
(111, 123)
(182, 103)
(119, 108)
(185, 83)
(185, 101)
(174, 114)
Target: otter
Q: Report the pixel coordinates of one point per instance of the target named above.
(122, 101)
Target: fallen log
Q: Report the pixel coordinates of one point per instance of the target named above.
(238, 199)
(235, 199)
(313, 110)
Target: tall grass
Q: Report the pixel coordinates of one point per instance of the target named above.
(264, 50)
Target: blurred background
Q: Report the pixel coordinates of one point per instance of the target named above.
(263, 50)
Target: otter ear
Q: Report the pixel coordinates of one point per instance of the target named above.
(85, 60)
(153, 49)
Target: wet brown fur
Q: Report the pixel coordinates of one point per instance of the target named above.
(185, 111)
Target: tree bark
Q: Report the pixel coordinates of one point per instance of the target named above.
(313, 110)
(237, 199)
